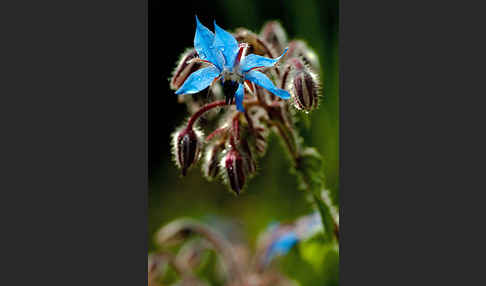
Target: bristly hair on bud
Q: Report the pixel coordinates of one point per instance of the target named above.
(212, 158)
(303, 85)
(234, 170)
(259, 130)
(273, 33)
(256, 45)
(299, 49)
(196, 101)
(184, 68)
(186, 147)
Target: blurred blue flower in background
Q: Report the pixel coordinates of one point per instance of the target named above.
(280, 238)
(281, 245)
(228, 61)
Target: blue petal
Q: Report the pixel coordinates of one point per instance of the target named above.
(284, 243)
(240, 95)
(253, 61)
(227, 44)
(203, 43)
(263, 81)
(198, 80)
(281, 245)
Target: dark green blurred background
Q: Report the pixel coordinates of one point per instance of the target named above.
(272, 194)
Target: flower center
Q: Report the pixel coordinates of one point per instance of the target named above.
(232, 76)
(229, 89)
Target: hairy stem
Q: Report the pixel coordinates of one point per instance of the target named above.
(286, 135)
(292, 146)
(204, 109)
(216, 133)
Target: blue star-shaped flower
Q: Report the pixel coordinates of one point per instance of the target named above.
(224, 54)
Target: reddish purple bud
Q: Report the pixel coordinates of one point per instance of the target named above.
(279, 111)
(274, 34)
(261, 135)
(299, 49)
(250, 164)
(210, 166)
(184, 68)
(304, 90)
(258, 134)
(186, 144)
(297, 64)
(235, 170)
(285, 77)
(256, 45)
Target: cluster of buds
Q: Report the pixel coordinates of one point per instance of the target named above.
(237, 137)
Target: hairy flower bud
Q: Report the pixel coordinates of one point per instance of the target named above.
(299, 49)
(258, 134)
(304, 86)
(235, 171)
(184, 68)
(285, 76)
(256, 45)
(210, 165)
(305, 91)
(250, 163)
(274, 34)
(186, 145)
(261, 135)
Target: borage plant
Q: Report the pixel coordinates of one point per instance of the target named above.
(269, 81)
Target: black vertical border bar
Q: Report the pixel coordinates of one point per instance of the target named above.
(410, 152)
(74, 99)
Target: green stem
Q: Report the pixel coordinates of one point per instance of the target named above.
(329, 224)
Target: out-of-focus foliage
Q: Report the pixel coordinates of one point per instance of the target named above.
(272, 195)
(195, 252)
